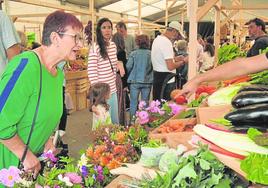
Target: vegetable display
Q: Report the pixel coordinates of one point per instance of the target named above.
(229, 52)
(201, 170)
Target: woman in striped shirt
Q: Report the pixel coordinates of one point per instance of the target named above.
(103, 64)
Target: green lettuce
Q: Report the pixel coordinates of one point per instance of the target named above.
(256, 167)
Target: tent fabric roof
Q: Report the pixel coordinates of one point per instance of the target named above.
(155, 9)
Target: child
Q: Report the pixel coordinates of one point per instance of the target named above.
(98, 95)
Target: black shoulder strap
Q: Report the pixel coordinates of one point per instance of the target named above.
(35, 115)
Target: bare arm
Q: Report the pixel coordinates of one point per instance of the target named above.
(13, 51)
(229, 70)
(175, 63)
(16, 146)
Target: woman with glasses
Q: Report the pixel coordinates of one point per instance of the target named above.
(31, 93)
(103, 64)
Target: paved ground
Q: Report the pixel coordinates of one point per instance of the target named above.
(78, 132)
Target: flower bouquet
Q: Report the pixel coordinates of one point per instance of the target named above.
(156, 112)
(115, 145)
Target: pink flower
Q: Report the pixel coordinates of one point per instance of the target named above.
(154, 106)
(74, 177)
(9, 177)
(143, 117)
(142, 104)
(175, 109)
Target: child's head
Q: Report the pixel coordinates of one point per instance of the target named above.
(143, 41)
(98, 94)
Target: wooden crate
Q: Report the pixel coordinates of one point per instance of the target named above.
(205, 114)
(82, 87)
(77, 84)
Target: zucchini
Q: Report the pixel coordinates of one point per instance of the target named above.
(254, 87)
(257, 113)
(250, 97)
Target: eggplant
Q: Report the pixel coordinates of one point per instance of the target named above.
(254, 87)
(244, 129)
(257, 113)
(250, 97)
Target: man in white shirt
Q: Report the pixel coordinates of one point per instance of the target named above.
(163, 59)
(9, 40)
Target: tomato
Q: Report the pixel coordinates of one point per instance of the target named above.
(181, 99)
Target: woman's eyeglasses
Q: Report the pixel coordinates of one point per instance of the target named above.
(77, 37)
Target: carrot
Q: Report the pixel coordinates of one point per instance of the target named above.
(237, 80)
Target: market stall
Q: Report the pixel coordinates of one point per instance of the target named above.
(216, 139)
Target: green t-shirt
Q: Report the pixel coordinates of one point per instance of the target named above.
(17, 114)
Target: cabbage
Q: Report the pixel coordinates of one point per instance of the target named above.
(168, 159)
(151, 156)
(224, 95)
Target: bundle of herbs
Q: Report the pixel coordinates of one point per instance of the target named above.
(202, 170)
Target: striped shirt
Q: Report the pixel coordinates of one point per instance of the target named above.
(99, 69)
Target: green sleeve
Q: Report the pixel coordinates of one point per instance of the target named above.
(16, 103)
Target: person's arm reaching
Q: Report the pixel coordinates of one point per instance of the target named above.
(176, 62)
(238, 67)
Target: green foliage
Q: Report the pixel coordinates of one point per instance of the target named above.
(229, 52)
(200, 171)
(187, 114)
(196, 102)
(222, 121)
(153, 143)
(255, 166)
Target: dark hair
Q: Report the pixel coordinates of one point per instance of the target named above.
(88, 32)
(57, 22)
(35, 45)
(118, 39)
(258, 22)
(143, 41)
(97, 95)
(210, 40)
(100, 40)
(121, 25)
(210, 49)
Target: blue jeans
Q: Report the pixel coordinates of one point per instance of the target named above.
(113, 102)
(135, 91)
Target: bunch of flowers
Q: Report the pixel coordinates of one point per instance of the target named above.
(52, 176)
(156, 112)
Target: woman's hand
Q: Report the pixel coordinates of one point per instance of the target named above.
(50, 146)
(31, 164)
(121, 69)
(189, 88)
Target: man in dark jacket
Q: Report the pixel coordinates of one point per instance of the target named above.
(256, 30)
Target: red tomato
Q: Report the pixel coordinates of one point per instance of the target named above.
(181, 99)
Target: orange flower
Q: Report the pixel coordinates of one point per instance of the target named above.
(120, 137)
(119, 149)
(89, 152)
(113, 164)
